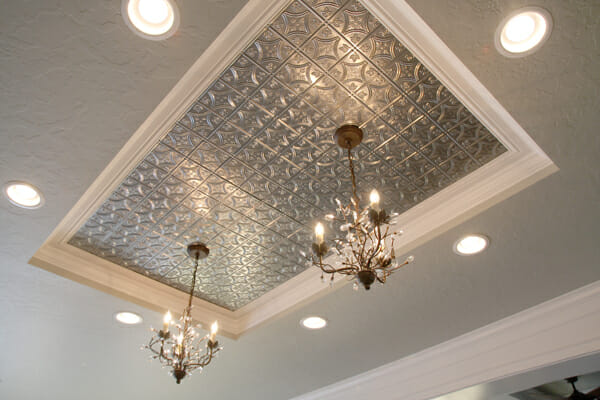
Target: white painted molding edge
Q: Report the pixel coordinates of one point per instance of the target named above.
(523, 164)
(564, 328)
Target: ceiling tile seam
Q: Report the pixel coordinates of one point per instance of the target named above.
(354, 96)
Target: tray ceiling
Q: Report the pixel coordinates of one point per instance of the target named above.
(252, 163)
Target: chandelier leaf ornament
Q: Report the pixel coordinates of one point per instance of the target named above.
(367, 250)
(185, 350)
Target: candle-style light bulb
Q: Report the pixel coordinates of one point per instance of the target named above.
(179, 346)
(374, 198)
(319, 233)
(214, 328)
(166, 321)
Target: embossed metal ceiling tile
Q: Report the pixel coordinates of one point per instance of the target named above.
(354, 21)
(229, 139)
(236, 172)
(174, 189)
(181, 138)
(221, 99)
(326, 95)
(176, 222)
(132, 191)
(301, 117)
(209, 155)
(244, 75)
(149, 212)
(148, 174)
(246, 228)
(269, 50)
(297, 23)
(164, 157)
(199, 202)
(325, 8)
(110, 215)
(326, 47)
(252, 118)
(383, 50)
(266, 238)
(298, 73)
(274, 96)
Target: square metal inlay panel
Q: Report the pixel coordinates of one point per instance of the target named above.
(253, 164)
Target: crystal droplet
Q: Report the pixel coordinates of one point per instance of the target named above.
(355, 286)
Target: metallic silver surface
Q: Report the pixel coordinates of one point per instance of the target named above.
(253, 163)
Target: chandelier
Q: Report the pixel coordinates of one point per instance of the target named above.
(367, 249)
(185, 350)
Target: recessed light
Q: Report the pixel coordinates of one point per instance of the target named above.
(313, 322)
(151, 19)
(23, 194)
(471, 244)
(523, 31)
(128, 318)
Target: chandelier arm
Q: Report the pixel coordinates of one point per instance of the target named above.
(351, 165)
(345, 270)
(397, 267)
(205, 359)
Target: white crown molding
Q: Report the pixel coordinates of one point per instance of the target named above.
(560, 329)
(523, 164)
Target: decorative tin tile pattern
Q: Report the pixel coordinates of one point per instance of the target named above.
(252, 164)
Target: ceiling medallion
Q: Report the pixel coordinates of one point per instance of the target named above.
(367, 250)
(185, 351)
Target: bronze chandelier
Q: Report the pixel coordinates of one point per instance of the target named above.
(367, 249)
(185, 351)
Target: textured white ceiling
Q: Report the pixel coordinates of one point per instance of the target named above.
(74, 84)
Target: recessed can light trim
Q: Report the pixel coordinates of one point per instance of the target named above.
(313, 322)
(523, 32)
(151, 19)
(128, 318)
(472, 244)
(23, 195)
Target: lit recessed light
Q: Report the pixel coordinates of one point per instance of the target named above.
(471, 244)
(23, 194)
(523, 32)
(151, 19)
(313, 322)
(128, 318)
